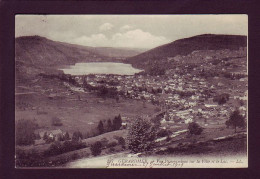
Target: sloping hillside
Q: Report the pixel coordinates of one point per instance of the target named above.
(188, 45)
(42, 52)
(35, 54)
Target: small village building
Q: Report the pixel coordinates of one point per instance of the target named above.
(52, 133)
(189, 120)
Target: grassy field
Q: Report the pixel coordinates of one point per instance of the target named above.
(76, 115)
(78, 111)
(206, 143)
(232, 147)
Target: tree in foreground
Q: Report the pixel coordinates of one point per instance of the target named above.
(141, 136)
(194, 128)
(117, 122)
(100, 127)
(96, 148)
(109, 126)
(236, 120)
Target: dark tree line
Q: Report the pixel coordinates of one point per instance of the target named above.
(63, 77)
(107, 92)
(113, 125)
(102, 90)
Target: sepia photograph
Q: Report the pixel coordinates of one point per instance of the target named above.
(131, 91)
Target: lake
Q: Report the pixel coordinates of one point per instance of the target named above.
(101, 68)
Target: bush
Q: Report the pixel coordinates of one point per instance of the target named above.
(170, 150)
(121, 141)
(163, 133)
(72, 145)
(56, 121)
(25, 132)
(104, 141)
(236, 120)
(67, 146)
(112, 149)
(20, 154)
(55, 148)
(221, 99)
(27, 159)
(77, 136)
(194, 128)
(75, 156)
(96, 148)
(111, 144)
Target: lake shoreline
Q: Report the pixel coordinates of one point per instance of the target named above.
(114, 68)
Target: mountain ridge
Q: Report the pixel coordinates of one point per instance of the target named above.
(37, 49)
(186, 46)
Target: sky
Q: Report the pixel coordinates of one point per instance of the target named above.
(132, 31)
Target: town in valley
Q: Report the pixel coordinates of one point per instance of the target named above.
(185, 100)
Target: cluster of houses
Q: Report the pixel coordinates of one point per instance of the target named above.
(53, 135)
(184, 97)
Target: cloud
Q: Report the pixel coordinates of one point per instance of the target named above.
(133, 38)
(126, 27)
(106, 26)
(100, 30)
(94, 40)
(138, 38)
